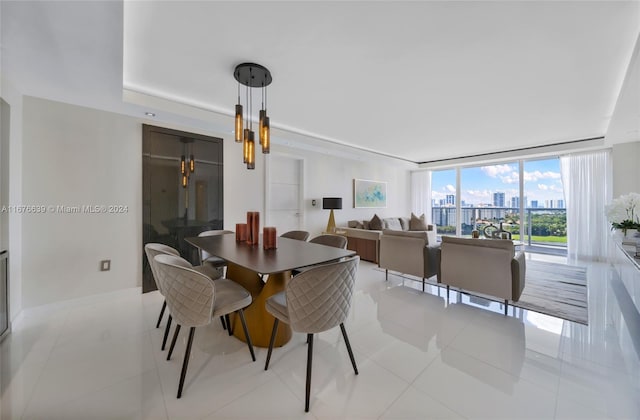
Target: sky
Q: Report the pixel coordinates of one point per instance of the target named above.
(542, 182)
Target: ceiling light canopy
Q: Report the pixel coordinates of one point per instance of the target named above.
(252, 76)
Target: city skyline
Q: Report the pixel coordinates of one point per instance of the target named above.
(542, 183)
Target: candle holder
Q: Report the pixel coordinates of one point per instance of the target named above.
(253, 226)
(269, 238)
(241, 232)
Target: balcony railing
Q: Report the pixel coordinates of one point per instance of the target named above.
(543, 227)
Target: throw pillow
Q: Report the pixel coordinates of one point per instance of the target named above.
(393, 223)
(417, 223)
(375, 223)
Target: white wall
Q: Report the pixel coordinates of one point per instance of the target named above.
(626, 168)
(12, 235)
(243, 188)
(76, 156)
(327, 175)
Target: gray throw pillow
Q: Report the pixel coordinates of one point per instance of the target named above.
(417, 223)
(375, 223)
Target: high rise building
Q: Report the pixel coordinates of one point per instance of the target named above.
(534, 204)
(515, 202)
(498, 199)
(560, 204)
(451, 199)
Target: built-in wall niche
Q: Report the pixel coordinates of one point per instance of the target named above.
(182, 190)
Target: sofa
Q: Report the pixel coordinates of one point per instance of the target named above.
(366, 242)
(409, 252)
(485, 266)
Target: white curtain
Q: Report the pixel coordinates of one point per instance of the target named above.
(587, 183)
(421, 194)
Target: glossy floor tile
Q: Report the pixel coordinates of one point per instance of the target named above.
(420, 356)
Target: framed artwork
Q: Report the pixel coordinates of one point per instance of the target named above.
(369, 194)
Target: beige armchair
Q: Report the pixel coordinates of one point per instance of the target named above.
(409, 252)
(486, 266)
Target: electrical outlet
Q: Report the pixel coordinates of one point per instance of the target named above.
(105, 265)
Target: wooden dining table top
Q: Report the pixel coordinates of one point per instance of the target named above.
(289, 254)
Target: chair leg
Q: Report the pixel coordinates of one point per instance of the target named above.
(164, 306)
(423, 284)
(506, 305)
(173, 342)
(447, 293)
(274, 330)
(185, 363)
(386, 275)
(346, 341)
(227, 321)
(309, 363)
(224, 325)
(246, 334)
(166, 332)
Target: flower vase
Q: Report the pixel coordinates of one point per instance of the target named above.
(631, 235)
(622, 236)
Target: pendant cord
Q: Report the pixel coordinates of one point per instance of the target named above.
(247, 97)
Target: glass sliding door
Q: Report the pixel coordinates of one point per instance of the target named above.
(490, 199)
(545, 213)
(443, 201)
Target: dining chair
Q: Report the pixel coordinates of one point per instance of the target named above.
(300, 235)
(314, 301)
(336, 241)
(195, 299)
(214, 264)
(151, 250)
(205, 257)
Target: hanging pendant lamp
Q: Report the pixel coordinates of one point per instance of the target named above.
(252, 76)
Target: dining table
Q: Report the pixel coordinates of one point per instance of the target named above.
(264, 272)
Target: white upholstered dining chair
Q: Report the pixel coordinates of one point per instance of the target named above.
(194, 299)
(314, 301)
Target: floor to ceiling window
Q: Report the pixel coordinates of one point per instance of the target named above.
(545, 215)
(523, 198)
(490, 198)
(443, 201)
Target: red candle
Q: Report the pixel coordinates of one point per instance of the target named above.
(241, 232)
(269, 238)
(253, 226)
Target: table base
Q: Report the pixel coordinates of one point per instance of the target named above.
(259, 321)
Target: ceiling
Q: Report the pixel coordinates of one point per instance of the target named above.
(420, 81)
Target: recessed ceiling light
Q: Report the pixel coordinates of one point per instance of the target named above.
(150, 114)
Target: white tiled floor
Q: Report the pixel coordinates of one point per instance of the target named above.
(419, 357)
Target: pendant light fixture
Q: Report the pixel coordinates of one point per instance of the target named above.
(252, 75)
(187, 167)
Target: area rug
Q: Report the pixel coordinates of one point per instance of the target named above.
(555, 289)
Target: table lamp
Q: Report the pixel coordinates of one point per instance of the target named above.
(331, 203)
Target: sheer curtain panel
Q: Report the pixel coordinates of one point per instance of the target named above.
(421, 194)
(586, 179)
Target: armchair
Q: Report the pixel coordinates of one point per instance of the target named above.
(490, 267)
(409, 252)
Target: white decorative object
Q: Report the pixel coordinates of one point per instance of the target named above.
(622, 215)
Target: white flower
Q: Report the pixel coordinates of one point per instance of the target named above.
(624, 212)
